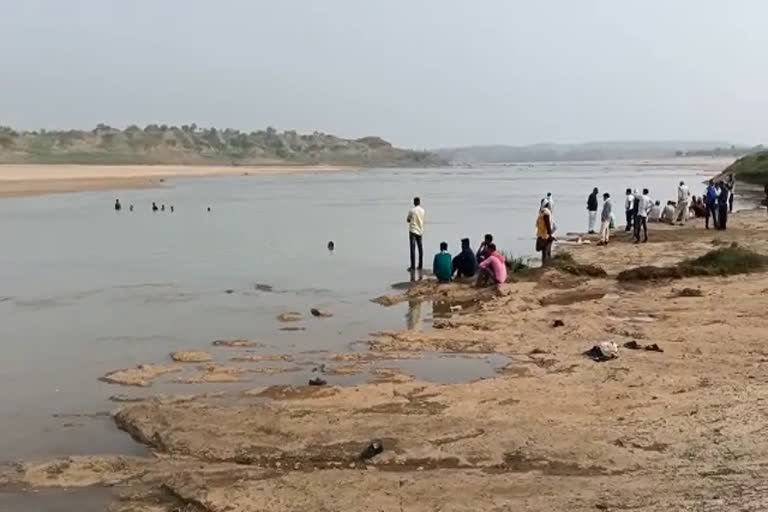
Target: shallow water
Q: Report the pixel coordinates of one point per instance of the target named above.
(84, 290)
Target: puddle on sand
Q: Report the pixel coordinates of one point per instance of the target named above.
(415, 319)
(91, 499)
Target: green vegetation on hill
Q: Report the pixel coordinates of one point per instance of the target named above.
(190, 145)
(751, 168)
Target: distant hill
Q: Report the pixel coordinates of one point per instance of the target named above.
(607, 150)
(190, 145)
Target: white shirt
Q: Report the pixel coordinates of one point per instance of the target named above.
(629, 202)
(416, 220)
(683, 194)
(646, 203)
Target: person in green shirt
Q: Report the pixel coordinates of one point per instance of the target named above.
(442, 266)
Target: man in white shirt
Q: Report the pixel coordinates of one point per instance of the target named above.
(683, 201)
(644, 208)
(415, 222)
(629, 209)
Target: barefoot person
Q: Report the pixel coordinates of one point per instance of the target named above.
(592, 210)
(544, 235)
(492, 268)
(415, 222)
(442, 264)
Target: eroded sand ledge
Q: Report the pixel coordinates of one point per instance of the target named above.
(678, 430)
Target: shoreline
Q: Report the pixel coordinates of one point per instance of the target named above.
(26, 180)
(676, 426)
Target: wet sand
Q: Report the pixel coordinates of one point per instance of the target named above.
(681, 429)
(34, 180)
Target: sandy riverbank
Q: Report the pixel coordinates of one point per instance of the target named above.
(32, 180)
(681, 429)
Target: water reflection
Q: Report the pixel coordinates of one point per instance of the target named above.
(413, 316)
(440, 309)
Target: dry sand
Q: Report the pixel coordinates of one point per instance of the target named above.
(31, 180)
(682, 429)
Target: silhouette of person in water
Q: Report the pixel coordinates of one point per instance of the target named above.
(154, 206)
(130, 208)
(118, 206)
(162, 208)
(331, 245)
(171, 208)
(209, 209)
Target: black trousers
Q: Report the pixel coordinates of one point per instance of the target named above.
(722, 218)
(711, 212)
(641, 222)
(630, 219)
(416, 241)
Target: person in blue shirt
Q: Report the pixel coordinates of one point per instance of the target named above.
(465, 263)
(711, 202)
(442, 266)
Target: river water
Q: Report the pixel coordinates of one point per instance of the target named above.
(85, 290)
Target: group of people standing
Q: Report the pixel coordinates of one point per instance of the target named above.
(719, 203)
(640, 209)
(488, 264)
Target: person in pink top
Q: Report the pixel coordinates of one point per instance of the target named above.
(493, 267)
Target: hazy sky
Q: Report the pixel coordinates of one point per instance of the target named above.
(421, 73)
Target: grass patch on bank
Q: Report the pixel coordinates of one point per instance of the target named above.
(565, 262)
(724, 261)
(514, 263)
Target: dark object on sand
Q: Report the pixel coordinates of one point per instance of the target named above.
(633, 345)
(605, 351)
(320, 314)
(331, 245)
(317, 381)
(374, 448)
(558, 323)
(690, 292)
(320, 368)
